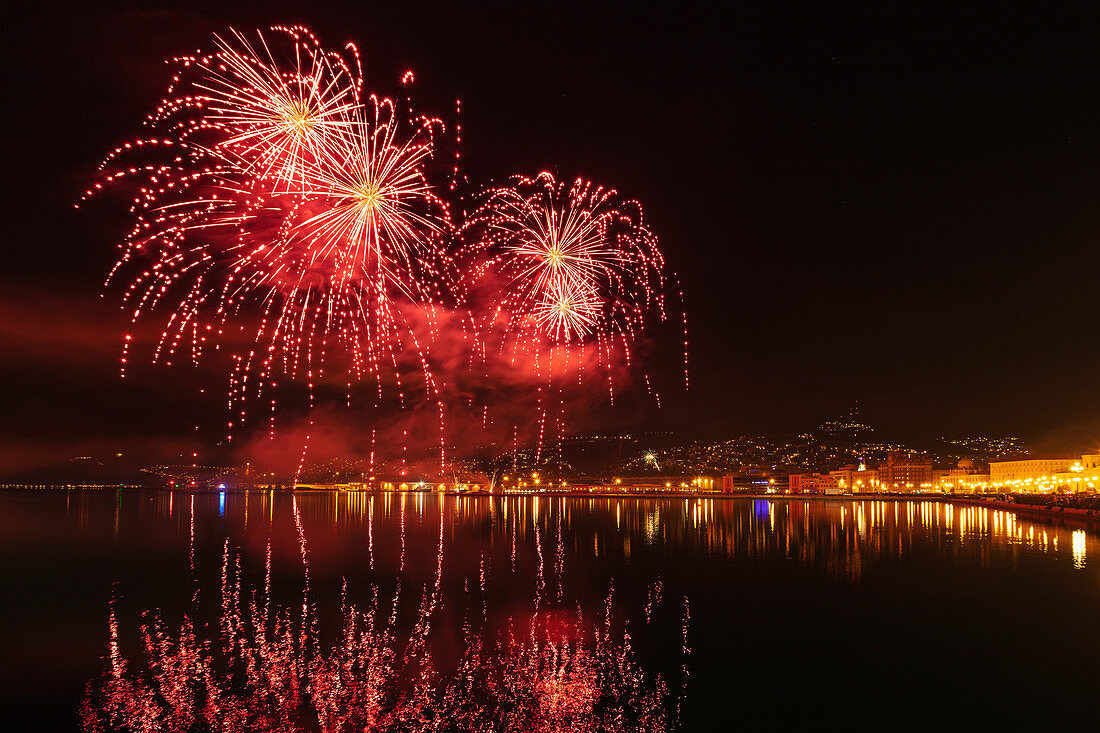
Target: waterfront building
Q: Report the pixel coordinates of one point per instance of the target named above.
(804, 483)
(905, 471)
(1009, 472)
(660, 484)
(856, 479)
(754, 481)
(1046, 474)
(964, 483)
(965, 478)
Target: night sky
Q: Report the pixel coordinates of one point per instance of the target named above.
(894, 206)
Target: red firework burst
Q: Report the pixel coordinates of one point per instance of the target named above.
(572, 269)
(575, 261)
(272, 197)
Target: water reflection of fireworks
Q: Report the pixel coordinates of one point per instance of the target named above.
(265, 668)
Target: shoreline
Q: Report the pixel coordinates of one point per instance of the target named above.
(1031, 510)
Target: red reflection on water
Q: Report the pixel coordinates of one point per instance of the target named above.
(264, 667)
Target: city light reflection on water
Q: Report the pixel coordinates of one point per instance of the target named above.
(752, 570)
(841, 533)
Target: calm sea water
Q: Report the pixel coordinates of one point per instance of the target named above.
(835, 613)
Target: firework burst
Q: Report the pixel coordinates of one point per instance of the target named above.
(567, 309)
(274, 202)
(279, 113)
(576, 261)
(378, 207)
(574, 273)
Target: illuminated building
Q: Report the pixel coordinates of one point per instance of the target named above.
(965, 478)
(405, 484)
(855, 479)
(678, 484)
(905, 471)
(1046, 474)
(753, 481)
(808, 483)
(849, 479)
(666, 483)
(1004, 472)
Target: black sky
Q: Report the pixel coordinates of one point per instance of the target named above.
(893, 204)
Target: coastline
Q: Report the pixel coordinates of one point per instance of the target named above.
(1085, 516)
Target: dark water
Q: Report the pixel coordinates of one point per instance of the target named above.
(838, 613)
